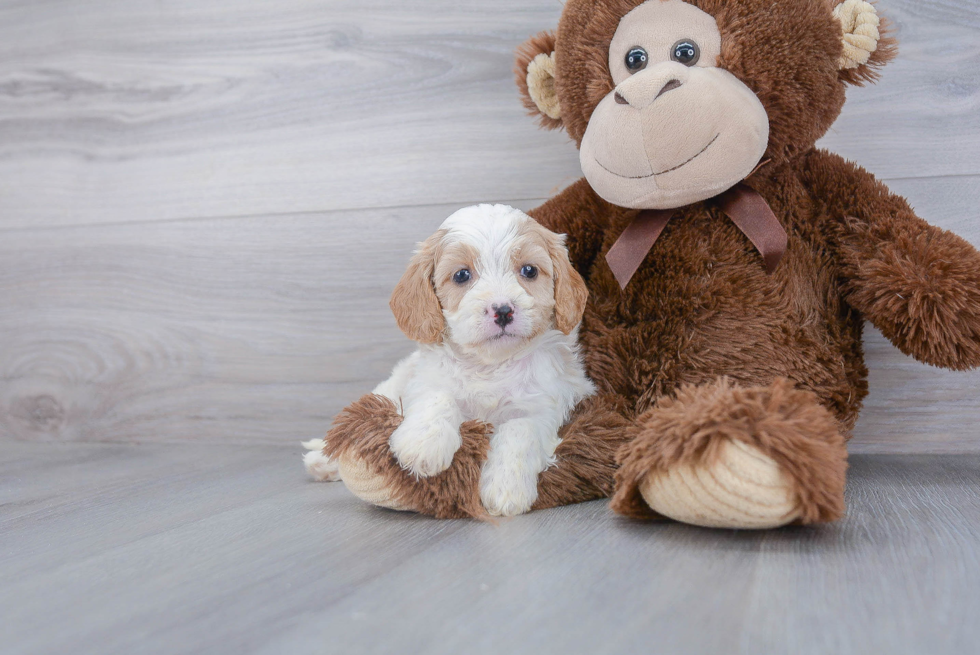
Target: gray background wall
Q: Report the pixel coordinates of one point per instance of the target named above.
(204, 205)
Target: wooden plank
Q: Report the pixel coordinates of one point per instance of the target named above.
(241, 330)
(114, 111)
(259, 330)
(189, 548)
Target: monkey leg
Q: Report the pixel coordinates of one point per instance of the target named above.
(720, 455)
(585, 464)
(584, 470)
(358, 442)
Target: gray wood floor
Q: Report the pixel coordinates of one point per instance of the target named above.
(203, 208)
(115, 548)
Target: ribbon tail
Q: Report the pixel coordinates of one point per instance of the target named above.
(750, 212)
(632, 246)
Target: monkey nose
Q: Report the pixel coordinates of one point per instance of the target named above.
(669, 86)
(645, 87)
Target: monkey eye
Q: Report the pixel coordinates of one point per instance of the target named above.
(686, 52)
(636, 59)
(462, 276)
(529, 272)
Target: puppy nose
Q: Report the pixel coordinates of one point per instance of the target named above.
(503, 315)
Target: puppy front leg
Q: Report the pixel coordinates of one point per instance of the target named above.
(520, 450)
(426, 441)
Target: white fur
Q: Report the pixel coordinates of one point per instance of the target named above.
(524, 385)
(321, 467)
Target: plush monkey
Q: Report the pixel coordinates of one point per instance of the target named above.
(730, 263)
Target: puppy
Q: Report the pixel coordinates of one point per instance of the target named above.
(494, 304)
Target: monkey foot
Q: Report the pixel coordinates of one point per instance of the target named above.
(741, 488)
(725, 456)
(358, 442)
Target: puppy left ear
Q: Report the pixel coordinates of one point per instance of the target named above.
(571, 294)
(866, 43)
(414, 302)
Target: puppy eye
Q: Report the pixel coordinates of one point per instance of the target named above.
(529, 272)
(686, 52)
(462, 276)
(636, 59)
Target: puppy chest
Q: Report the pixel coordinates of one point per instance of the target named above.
(510, 393)
(486, 402)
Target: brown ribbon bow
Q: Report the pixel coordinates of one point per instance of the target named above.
(742, 204)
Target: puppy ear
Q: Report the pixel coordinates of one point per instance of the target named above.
(571, 294)
(535, 73)
(864, 36)
(414, 302)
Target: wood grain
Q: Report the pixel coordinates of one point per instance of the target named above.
(204, 206)
(119, 111)
(203, 548)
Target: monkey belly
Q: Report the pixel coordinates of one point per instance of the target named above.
(702, 306)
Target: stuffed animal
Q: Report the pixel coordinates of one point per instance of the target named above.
(730, 264)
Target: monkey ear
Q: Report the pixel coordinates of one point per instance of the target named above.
(535, 73)
(414, 302)
(867, 46)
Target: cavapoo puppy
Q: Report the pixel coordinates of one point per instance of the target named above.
(494, 304)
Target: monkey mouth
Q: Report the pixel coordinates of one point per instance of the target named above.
(673, 168)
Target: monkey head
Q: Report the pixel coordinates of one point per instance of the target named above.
(674, 101)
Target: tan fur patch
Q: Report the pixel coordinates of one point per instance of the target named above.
(531, 248)
(413, 302)
(570, 292)
(450, 259)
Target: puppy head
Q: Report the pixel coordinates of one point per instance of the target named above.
(489, 279)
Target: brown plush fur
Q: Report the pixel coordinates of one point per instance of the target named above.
(705, 345)
(786, 424)
(702, 308)
(586, 457)
(361, 431)
(584, 470)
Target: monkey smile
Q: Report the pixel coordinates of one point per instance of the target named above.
(673, 168)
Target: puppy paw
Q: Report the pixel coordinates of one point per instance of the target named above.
(426, 441)
(318, 465)
(507, 490)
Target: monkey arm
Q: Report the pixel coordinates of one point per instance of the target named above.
(917, 283)
(583, 216)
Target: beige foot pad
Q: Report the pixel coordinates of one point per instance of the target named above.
(742, 488)
(368, 485)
